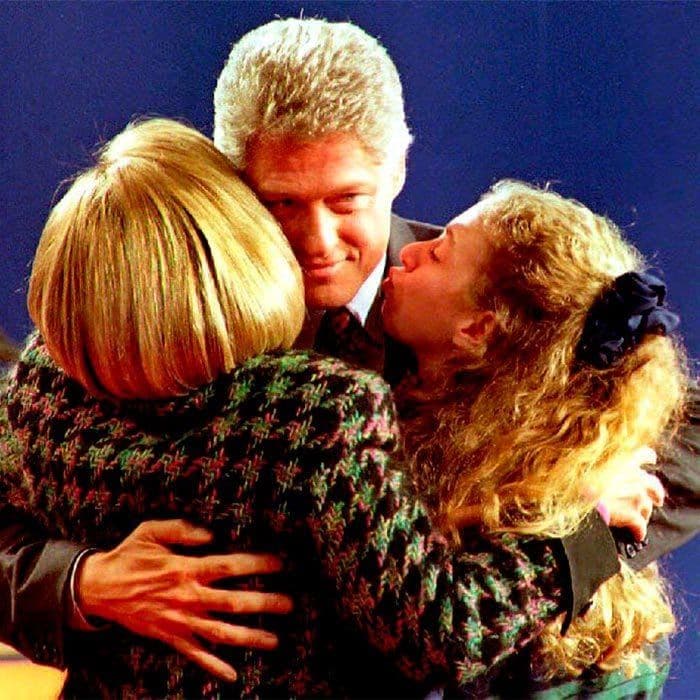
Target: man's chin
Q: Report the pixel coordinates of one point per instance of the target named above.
(320, 298)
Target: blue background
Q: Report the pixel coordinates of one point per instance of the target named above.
(601, 99)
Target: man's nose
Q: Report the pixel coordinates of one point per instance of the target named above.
(318, 234)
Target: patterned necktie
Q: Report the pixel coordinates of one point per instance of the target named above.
(342, 335)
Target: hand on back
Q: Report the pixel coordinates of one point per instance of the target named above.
(143, 586)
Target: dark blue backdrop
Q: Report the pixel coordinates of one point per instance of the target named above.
(600, 98)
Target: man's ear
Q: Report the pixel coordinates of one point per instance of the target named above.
(473, 331)
(399, 178)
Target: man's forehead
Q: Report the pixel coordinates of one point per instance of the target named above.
(291, 148)
(337, 162)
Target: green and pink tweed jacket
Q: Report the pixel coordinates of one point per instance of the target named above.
(289, 453)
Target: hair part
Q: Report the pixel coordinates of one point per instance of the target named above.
(158, 269)
(309, 78)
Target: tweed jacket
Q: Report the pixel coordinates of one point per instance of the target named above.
(288, 453)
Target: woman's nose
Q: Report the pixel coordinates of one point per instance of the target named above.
(410, 255)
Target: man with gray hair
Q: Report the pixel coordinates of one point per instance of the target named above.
(312, 114)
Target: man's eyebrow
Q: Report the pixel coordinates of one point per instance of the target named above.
(266, 192)
(281, 191)
(351, 186)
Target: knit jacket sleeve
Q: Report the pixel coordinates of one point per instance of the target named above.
(301, 445)
(34, 569)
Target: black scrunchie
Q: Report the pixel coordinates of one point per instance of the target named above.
(619, 319)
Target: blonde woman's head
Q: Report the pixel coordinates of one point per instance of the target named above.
(551, 259)
(523, 419)
(158, 269)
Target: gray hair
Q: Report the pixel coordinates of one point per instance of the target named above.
(309, 78)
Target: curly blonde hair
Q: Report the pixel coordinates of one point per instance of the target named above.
(523, 426)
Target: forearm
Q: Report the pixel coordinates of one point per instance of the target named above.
(35, 601)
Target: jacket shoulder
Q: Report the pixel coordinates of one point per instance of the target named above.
(326, 378)
(405, 231)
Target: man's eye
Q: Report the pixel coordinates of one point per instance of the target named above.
(349, 202)
(433, 256)
(278, 203)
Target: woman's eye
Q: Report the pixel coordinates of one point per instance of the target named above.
(433, 255)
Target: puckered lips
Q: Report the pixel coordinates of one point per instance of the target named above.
(388, 282)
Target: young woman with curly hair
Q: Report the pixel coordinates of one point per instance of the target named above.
(548, 363)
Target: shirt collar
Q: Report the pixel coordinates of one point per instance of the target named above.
(361, 303)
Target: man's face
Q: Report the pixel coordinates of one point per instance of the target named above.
(333, 201)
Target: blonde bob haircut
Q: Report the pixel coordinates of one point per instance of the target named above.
(159, 270)
(309, 78)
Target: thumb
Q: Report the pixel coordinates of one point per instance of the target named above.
(644, 455)
(173, 532)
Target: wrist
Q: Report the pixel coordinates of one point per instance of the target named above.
(85, 597)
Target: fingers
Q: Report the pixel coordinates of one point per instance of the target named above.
(245, 602)
(644, 455)
(208, 661)
(219, 566)
(173, 532)
(655, 490)
(216, 632)
(633, 517)
(637, 525)
(219, 632)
